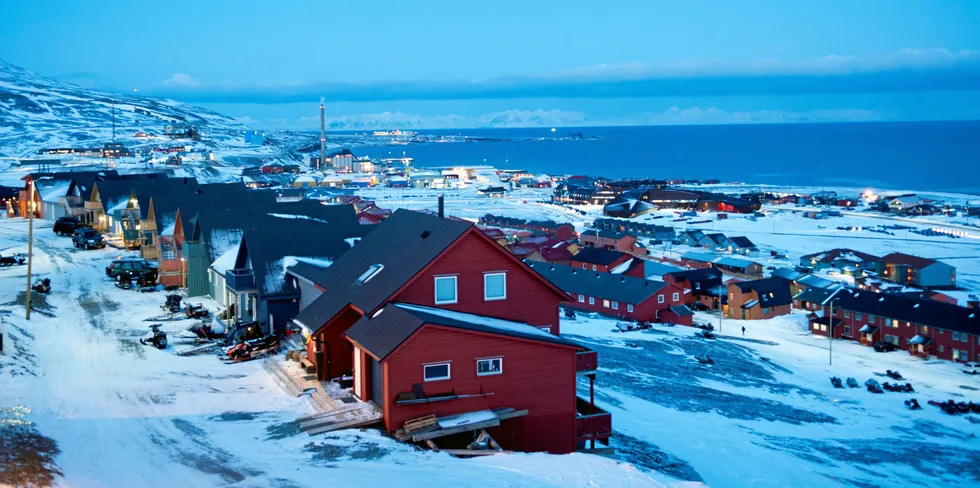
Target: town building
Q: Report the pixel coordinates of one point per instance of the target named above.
(739, 267)
(597, 259)
(608, 239)
(702, 285)
(917, 271)
(848, 261)
(617, 295)
(758, 299)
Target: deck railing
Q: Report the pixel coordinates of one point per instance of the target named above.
(592, 422)
(586, 361)
(240, 280)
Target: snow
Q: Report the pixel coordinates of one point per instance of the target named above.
(481, 320)
(466, 419)
(275, 272)
(296, 216)
(622, 267)
(352, 240)
(52, 193)
(226, 260)
(119, 410)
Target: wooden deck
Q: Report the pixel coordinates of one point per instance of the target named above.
(335, 408)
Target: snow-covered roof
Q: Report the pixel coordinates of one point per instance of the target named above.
(622, 267)
(505, 325)
(226, 260)
(305, 179)
(275, 271)
(51, 194)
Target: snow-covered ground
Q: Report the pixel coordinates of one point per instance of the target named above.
(124, 414)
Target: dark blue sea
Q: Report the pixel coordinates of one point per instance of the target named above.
(936, 156)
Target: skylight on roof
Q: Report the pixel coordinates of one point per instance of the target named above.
(371, 272)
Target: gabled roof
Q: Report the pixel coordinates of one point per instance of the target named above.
(595, 255)
(734, 262)
(706, 276)
(402, 246)
(393, 324)
(788, 274)
(653, 268)
(718, 238)
(698, 256)
(742, 242)
(772, 292)
(908, 260)
(621, 288)
(814, 281)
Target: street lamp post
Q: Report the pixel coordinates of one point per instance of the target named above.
(30, 248)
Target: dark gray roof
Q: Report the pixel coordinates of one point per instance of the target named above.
(707, 277)
(787, 273)
(621, 288)
(717, 238)
(742, 242)
(927, 312)
(403, 244)
(396, 322)
(595, 255)
(772, 292)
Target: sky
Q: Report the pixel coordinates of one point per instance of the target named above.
(571, 62)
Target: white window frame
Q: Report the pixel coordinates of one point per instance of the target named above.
(493, 299)
(615, 305)
(591, 300)
(491, 373)
(676, 297)
(605, 303)
(697, 285)
(629, 308)
(435, 289)
(593, 267)
(660, 298)
(449, 371)
(581, 298)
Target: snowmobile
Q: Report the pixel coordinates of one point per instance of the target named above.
(124, 280)
(704, 359)
(146, 281)
(249, 350)
(569, 313)
(836, 382)
(852, 383)
(706, 334)
(202, 331)
(243, 333)
(156, 337)
(14, 260)
(198, 311)
(913, 404)
(173, 303)
(895, 375)
(873, 386)
(42, 286)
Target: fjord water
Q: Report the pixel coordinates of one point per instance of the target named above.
(937, 156)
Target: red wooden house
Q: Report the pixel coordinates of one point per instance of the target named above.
(419, 281)
(596, 259)
(617, 295)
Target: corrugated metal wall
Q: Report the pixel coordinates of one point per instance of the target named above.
(197, 269)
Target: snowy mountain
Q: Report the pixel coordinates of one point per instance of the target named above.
(38, 112)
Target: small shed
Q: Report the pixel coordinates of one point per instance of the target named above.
(304, 181)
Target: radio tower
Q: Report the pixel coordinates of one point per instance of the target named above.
(323, 139)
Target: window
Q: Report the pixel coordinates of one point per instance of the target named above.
(959, 355)
(585, 266)
(765, 310)
(658, 315)
(823, 327)
(892, 339)
(581, 298)
(941, 348)
(676, 297)
(871, 319)
(956, 336)
(847, 315)
(591, 300)
(435, 372)
(445, 289)
(660, 298)
(847, 330)
(629, 308)
(964, 337)
(925, 329)
(371, 272)
(593, 267)
(697, 285)
(494, 286)
(857, 316)
(894, 323)
(816, 326)
(605, 303)
(615, 305)
(489, 367)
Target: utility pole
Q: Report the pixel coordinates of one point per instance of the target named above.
(30, 249)
(830, 323)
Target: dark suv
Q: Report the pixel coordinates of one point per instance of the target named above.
(67, 226)
(883, 346)
(87, 238)
(134, 267)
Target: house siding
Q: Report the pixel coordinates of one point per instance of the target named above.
(537, 377)
(528, 298)
(736, 298)
(645, 311)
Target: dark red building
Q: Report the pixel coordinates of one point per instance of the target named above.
(597, 259)
(420, 291)
(618, 295)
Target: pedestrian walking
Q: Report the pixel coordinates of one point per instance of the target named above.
(743, 331)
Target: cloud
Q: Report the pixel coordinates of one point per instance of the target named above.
(247, 120)
(713, 115)
(182, 80)
(907, 70)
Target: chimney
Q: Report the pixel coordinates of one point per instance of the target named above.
(442, 205)
(323, 139)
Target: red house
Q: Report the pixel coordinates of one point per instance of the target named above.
(596, 259)
(423, 292)
(923, 327)
(617, 295)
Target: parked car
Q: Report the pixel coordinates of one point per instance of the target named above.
(971, 368)
(87, 238)
(66, 226)
(882, 346)
(135, 267)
